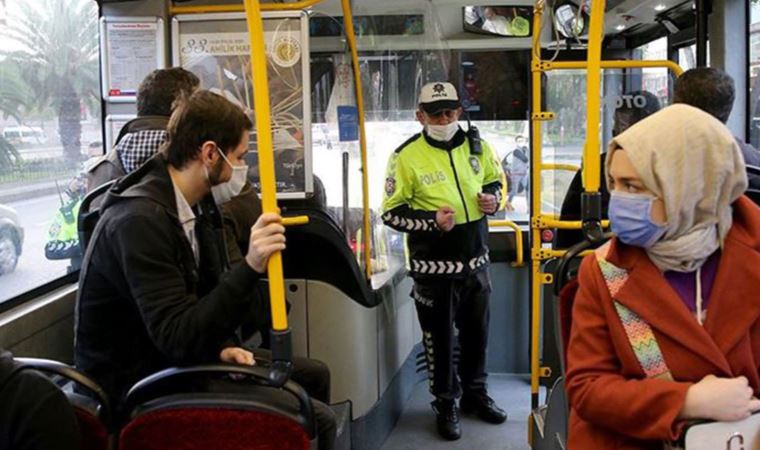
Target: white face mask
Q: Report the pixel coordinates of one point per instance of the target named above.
(442, 133)
(223, 192)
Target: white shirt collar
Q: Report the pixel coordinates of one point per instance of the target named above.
(184, 211)
(186, 217)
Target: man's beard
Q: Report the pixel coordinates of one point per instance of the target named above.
(215, 173)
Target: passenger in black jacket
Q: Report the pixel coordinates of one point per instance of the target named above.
(151, 293)
(154, 290)
(34, 413)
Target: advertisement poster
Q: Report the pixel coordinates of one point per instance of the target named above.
(131, 53)
(221, 60)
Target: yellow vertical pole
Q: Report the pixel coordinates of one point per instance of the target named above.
(535, 235)
(348, 22)
(266, 157)
(591, 158)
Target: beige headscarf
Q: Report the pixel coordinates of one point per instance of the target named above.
(692, 162)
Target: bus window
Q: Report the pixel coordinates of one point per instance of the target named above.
(51, 115)
(687, 57)
(493, 87)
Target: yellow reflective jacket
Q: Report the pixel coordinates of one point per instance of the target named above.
(424, 175)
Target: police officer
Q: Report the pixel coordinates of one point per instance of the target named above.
(439, 187)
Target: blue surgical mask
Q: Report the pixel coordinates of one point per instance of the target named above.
(631, 219)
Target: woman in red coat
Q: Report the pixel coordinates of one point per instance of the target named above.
(666, 322)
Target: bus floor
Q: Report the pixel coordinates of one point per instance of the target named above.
(415, 430)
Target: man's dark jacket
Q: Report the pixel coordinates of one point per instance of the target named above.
(143, 302)
(34, 413)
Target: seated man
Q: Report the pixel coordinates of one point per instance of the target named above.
(153, 291)
(141, 137)
(712, 90)
(35, 414)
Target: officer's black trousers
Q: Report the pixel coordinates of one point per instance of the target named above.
(442, 304)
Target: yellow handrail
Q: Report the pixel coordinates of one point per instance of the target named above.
(591, 156)
(348, 21)
(544, 222)
(202, 9)
(266, 158)
(614, 64)
(556, 166)
(293, 221)
(518, 239)
(535, 193)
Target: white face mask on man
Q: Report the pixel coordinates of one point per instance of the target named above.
(223, 192)
(442, 133)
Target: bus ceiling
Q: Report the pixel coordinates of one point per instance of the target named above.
(637, 22)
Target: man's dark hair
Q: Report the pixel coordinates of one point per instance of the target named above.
(634, 106)
(161, 88)
(204, 116)
(707, 88)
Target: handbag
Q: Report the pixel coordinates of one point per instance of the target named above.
(699, 434)
(710, 435)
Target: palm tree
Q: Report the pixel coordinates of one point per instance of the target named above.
(12, 98)
(58, 59)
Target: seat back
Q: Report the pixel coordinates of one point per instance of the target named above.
(193, 408)
(93, 411)
(565, 311)
(89, 213)
(753, 173)
(317, 200)
(337, 266)
(565, 288)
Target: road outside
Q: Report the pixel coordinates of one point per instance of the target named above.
(33, 268)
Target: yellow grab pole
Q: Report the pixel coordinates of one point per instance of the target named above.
(266, 157)
(535, 235)
(591, 158)
(348, 22)
(202, 9)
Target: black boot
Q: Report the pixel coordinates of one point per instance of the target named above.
(447, 419)
(483, 406)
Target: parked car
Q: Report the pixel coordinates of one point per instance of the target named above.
(11, 239)
(24, 135)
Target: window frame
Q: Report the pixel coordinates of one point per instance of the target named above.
(748, 73)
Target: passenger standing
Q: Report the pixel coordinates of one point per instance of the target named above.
(666, 321)
(439, 188)
(519, 169)
(712, 90)
(153, 289)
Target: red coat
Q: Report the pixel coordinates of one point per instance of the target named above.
(613, 405)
